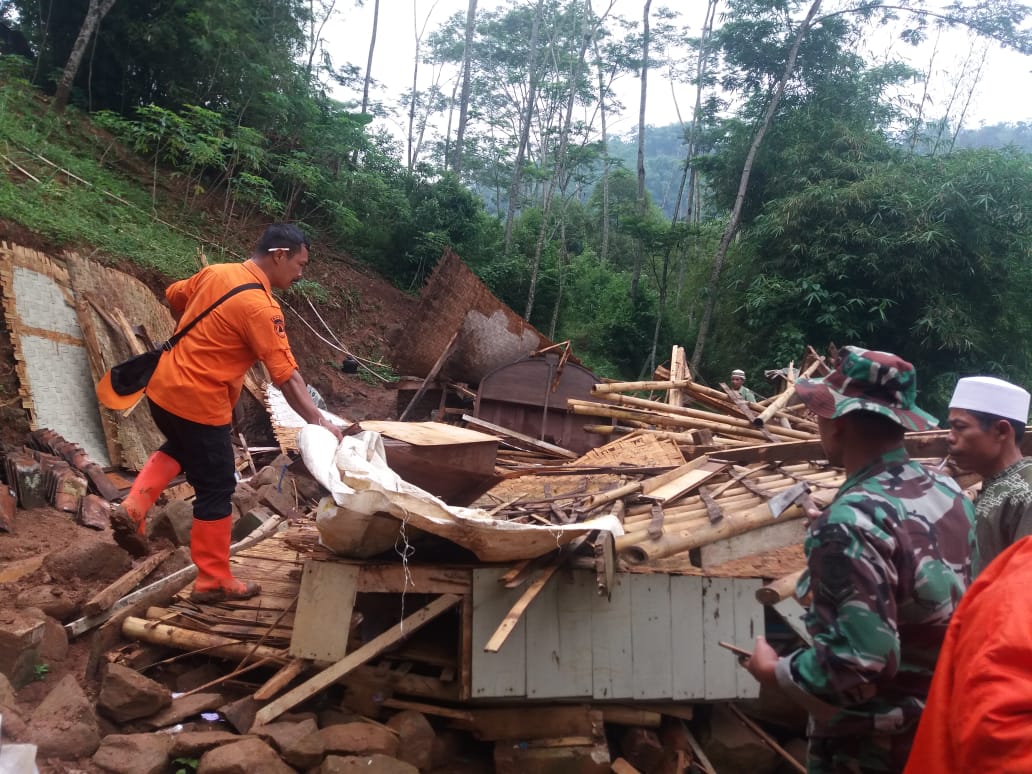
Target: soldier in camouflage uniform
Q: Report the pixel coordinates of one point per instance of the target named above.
(887, 563)
(987, 422)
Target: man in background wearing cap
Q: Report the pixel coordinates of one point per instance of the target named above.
(738, 385)
(987, 422)
(887, 563)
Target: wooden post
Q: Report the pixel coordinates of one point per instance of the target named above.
(433, 373)
(779, 589)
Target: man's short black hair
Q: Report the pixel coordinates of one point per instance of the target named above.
(282, 235)
(986, 420)
(875, 425)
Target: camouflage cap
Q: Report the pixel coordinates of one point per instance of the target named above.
(865, 380)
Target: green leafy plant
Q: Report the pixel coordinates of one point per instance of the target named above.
(40, 671)
(185, 765)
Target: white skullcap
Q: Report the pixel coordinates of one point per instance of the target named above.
(738, 372)
(991, 396)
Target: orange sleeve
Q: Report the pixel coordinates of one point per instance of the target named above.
(178, 294)
(267, 335)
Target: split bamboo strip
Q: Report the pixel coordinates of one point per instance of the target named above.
(630, 400)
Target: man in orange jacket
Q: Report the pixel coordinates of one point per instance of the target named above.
(194, 388)
(977, 715)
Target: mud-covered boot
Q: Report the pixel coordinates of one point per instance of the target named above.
(129, 520)
(209, 549)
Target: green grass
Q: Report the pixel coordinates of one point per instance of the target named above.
(73, 213)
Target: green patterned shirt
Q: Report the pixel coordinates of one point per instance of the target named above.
(1003, 512)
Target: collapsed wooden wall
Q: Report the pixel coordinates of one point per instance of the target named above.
(103, 296)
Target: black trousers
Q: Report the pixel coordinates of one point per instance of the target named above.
(205, 453)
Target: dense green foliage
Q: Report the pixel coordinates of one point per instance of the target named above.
(862, 222)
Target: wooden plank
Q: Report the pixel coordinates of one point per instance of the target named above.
(559, 628)
(105, 598)
(611, 673)
(688, 477)
(412, 578)
(794, 614)
(429, 709)
(503, 673)
(757, 541)
(427, 433)
(372, 648)
(281, 679)
(651, 631)
(512, 618)
(324, 607)
(525, 440)
(748, 619)
(686, 592)
(719, 624)
(432, 374)
(524, 724)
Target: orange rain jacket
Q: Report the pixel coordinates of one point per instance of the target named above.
(200, 378)
(978, 717)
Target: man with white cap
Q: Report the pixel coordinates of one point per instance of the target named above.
(738, 385)
(987, 422)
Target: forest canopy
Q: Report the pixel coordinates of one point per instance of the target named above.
(801, 201)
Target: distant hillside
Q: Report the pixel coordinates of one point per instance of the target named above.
(997, 136)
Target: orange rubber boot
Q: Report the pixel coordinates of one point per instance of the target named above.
(209, 549)
(128, 520)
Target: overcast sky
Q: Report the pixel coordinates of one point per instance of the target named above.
(1001, 95)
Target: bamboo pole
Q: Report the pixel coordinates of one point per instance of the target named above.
(601, 410)
(684, 411)
(676, 384)
(782, 399)
(779, 589)
(676, 541)
(189, 639)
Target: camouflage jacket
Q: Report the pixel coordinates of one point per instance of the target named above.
(1003, 512)
(887, 563)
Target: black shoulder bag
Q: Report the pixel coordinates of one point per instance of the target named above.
(131, 376)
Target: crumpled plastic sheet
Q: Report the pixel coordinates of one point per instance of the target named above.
(356, 474)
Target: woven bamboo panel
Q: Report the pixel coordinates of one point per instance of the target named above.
(641, 450)
(100, 291)
(56, 385)
(454, 299)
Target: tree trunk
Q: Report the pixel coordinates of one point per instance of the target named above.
(525, 120)
(606, 164)
(316, 36)
(97, 10)
(467, 59)
(369, 59)
(639, 247)
(560, 156)
(743, 185)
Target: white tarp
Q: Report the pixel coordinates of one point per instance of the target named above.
(359, 480)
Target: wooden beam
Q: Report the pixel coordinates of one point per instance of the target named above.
(513, 616)
(104, 599)
(281, 679)
(371, 649)
(526, 440)
(767, 739)
(433, 373)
